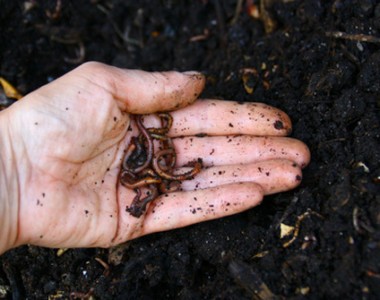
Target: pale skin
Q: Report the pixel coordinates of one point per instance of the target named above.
(62, 147)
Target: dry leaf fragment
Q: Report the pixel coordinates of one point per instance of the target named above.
(249, 77)
(9, 90)
(285, 230)
(61, 251)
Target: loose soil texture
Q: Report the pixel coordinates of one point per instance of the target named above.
(319, 61)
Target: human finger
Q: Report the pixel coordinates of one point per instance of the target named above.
(217, 117)
(220, 117)
(242, 149)
(274, 176)
(141, 92)
(179, 209)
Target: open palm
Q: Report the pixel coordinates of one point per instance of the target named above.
(69, 138)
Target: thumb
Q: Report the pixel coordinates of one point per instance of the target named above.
(141, 92)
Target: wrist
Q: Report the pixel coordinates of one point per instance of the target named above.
(9, 192)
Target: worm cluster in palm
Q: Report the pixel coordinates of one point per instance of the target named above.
(148, 169)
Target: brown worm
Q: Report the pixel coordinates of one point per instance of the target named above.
(197, 165)
(149, 152)
(143, 168)
(167, 186)
(130, 181)
(165, 127)
(138, 205)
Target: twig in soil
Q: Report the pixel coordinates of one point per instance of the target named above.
(80, 295)
(124, 37)
(200, 37)
(373, 274)
(321, 144)
(71, 38)
(353, 37)
(106, 267)
(250, 280)
(266, 17)
(287, 211)
(358, 224)
(15, 281)
(239, 5)
(220, 18)
(298, 225)
(80, 52)
(351, 57)
(57, 11)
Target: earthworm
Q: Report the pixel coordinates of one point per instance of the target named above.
(149, 152)
(138, 205)
(167, 186)
(143, 168)
(197, 165)
(135, 155)
(171, 157)
(165, 127)
(130, 181)
(127, 155)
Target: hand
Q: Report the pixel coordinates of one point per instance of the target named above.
(64, 144)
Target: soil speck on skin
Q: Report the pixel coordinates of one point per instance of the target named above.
(328, 86)
(278, 125)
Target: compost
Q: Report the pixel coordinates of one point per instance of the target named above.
(319, 61)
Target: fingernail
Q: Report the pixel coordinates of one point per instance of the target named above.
(191, 73)
(194, 75)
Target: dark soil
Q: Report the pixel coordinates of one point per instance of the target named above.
(328, 85)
